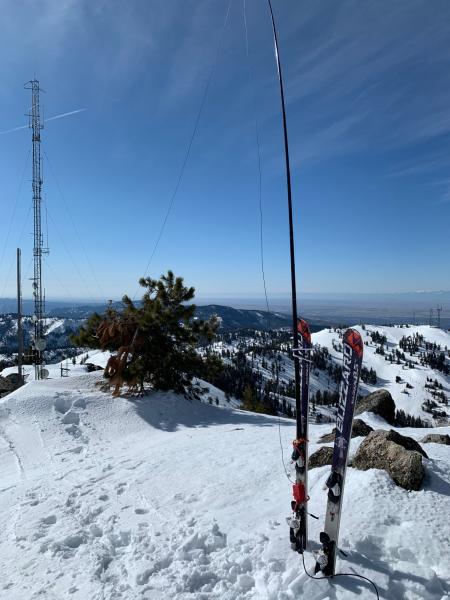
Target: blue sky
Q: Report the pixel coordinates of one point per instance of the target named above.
(368, 107)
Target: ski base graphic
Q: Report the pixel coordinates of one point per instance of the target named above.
(298, 527)
(352, 360)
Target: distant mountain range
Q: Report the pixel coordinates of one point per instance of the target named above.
(238, 318)
(64, 321)
(54, 308)
(321, 310)
(231, 318)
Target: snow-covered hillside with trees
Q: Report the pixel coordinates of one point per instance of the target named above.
(411, 362)
(402, 358)
(58, 332)
(163, 497)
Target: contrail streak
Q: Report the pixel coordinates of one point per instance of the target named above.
(15, 129)
(72, 112)
(61, 116)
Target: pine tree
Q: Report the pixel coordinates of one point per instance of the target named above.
(155, 342)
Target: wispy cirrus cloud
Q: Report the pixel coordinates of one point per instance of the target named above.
(386, 61)
(445, 194)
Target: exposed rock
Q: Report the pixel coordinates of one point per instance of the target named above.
(319, 458)
(405, 441)
(6, 385)
(394, 453)
(328, 437)
(380, 403)
(9, 383)
(359, 429)
(436, 438)
(15, 379)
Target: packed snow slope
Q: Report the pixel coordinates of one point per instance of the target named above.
(165, 498)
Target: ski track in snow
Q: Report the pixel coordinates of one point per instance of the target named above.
(111, 499)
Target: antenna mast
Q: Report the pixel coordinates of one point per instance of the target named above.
(299, 425)
(19, 317)
(439, 310)
(39, 250)
(299, 504)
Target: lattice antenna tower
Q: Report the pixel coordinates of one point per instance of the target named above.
(439, 310)
(39, 250)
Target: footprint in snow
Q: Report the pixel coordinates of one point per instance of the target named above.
(71, 418)
(80, 403)
(121, 488)
(62, 404)
(273, 524)
(96, 531)
(73, 430)
(72, 541)
(50, 520)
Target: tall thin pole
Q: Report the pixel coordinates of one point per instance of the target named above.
(19, 317)
(38, 250)
(300, 430)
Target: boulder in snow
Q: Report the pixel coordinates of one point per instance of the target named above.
(436, 438)
(10, 383)
(408, 443)
(380, 403)
(328, 437)
(398, 455)
(319, 458)
(359, 429)
(91, 367)
(6, 385)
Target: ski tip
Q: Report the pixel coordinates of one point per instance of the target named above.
(303, 330)
(354, 340)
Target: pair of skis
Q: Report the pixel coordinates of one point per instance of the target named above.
(352, 360)
(353, 349)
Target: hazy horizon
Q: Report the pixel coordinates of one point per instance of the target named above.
(419, 295)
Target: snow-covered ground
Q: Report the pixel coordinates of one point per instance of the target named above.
(106, 498)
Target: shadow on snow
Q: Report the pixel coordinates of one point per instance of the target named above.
(168, 412)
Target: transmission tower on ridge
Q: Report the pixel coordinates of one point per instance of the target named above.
(439, 310)
(39, 250)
